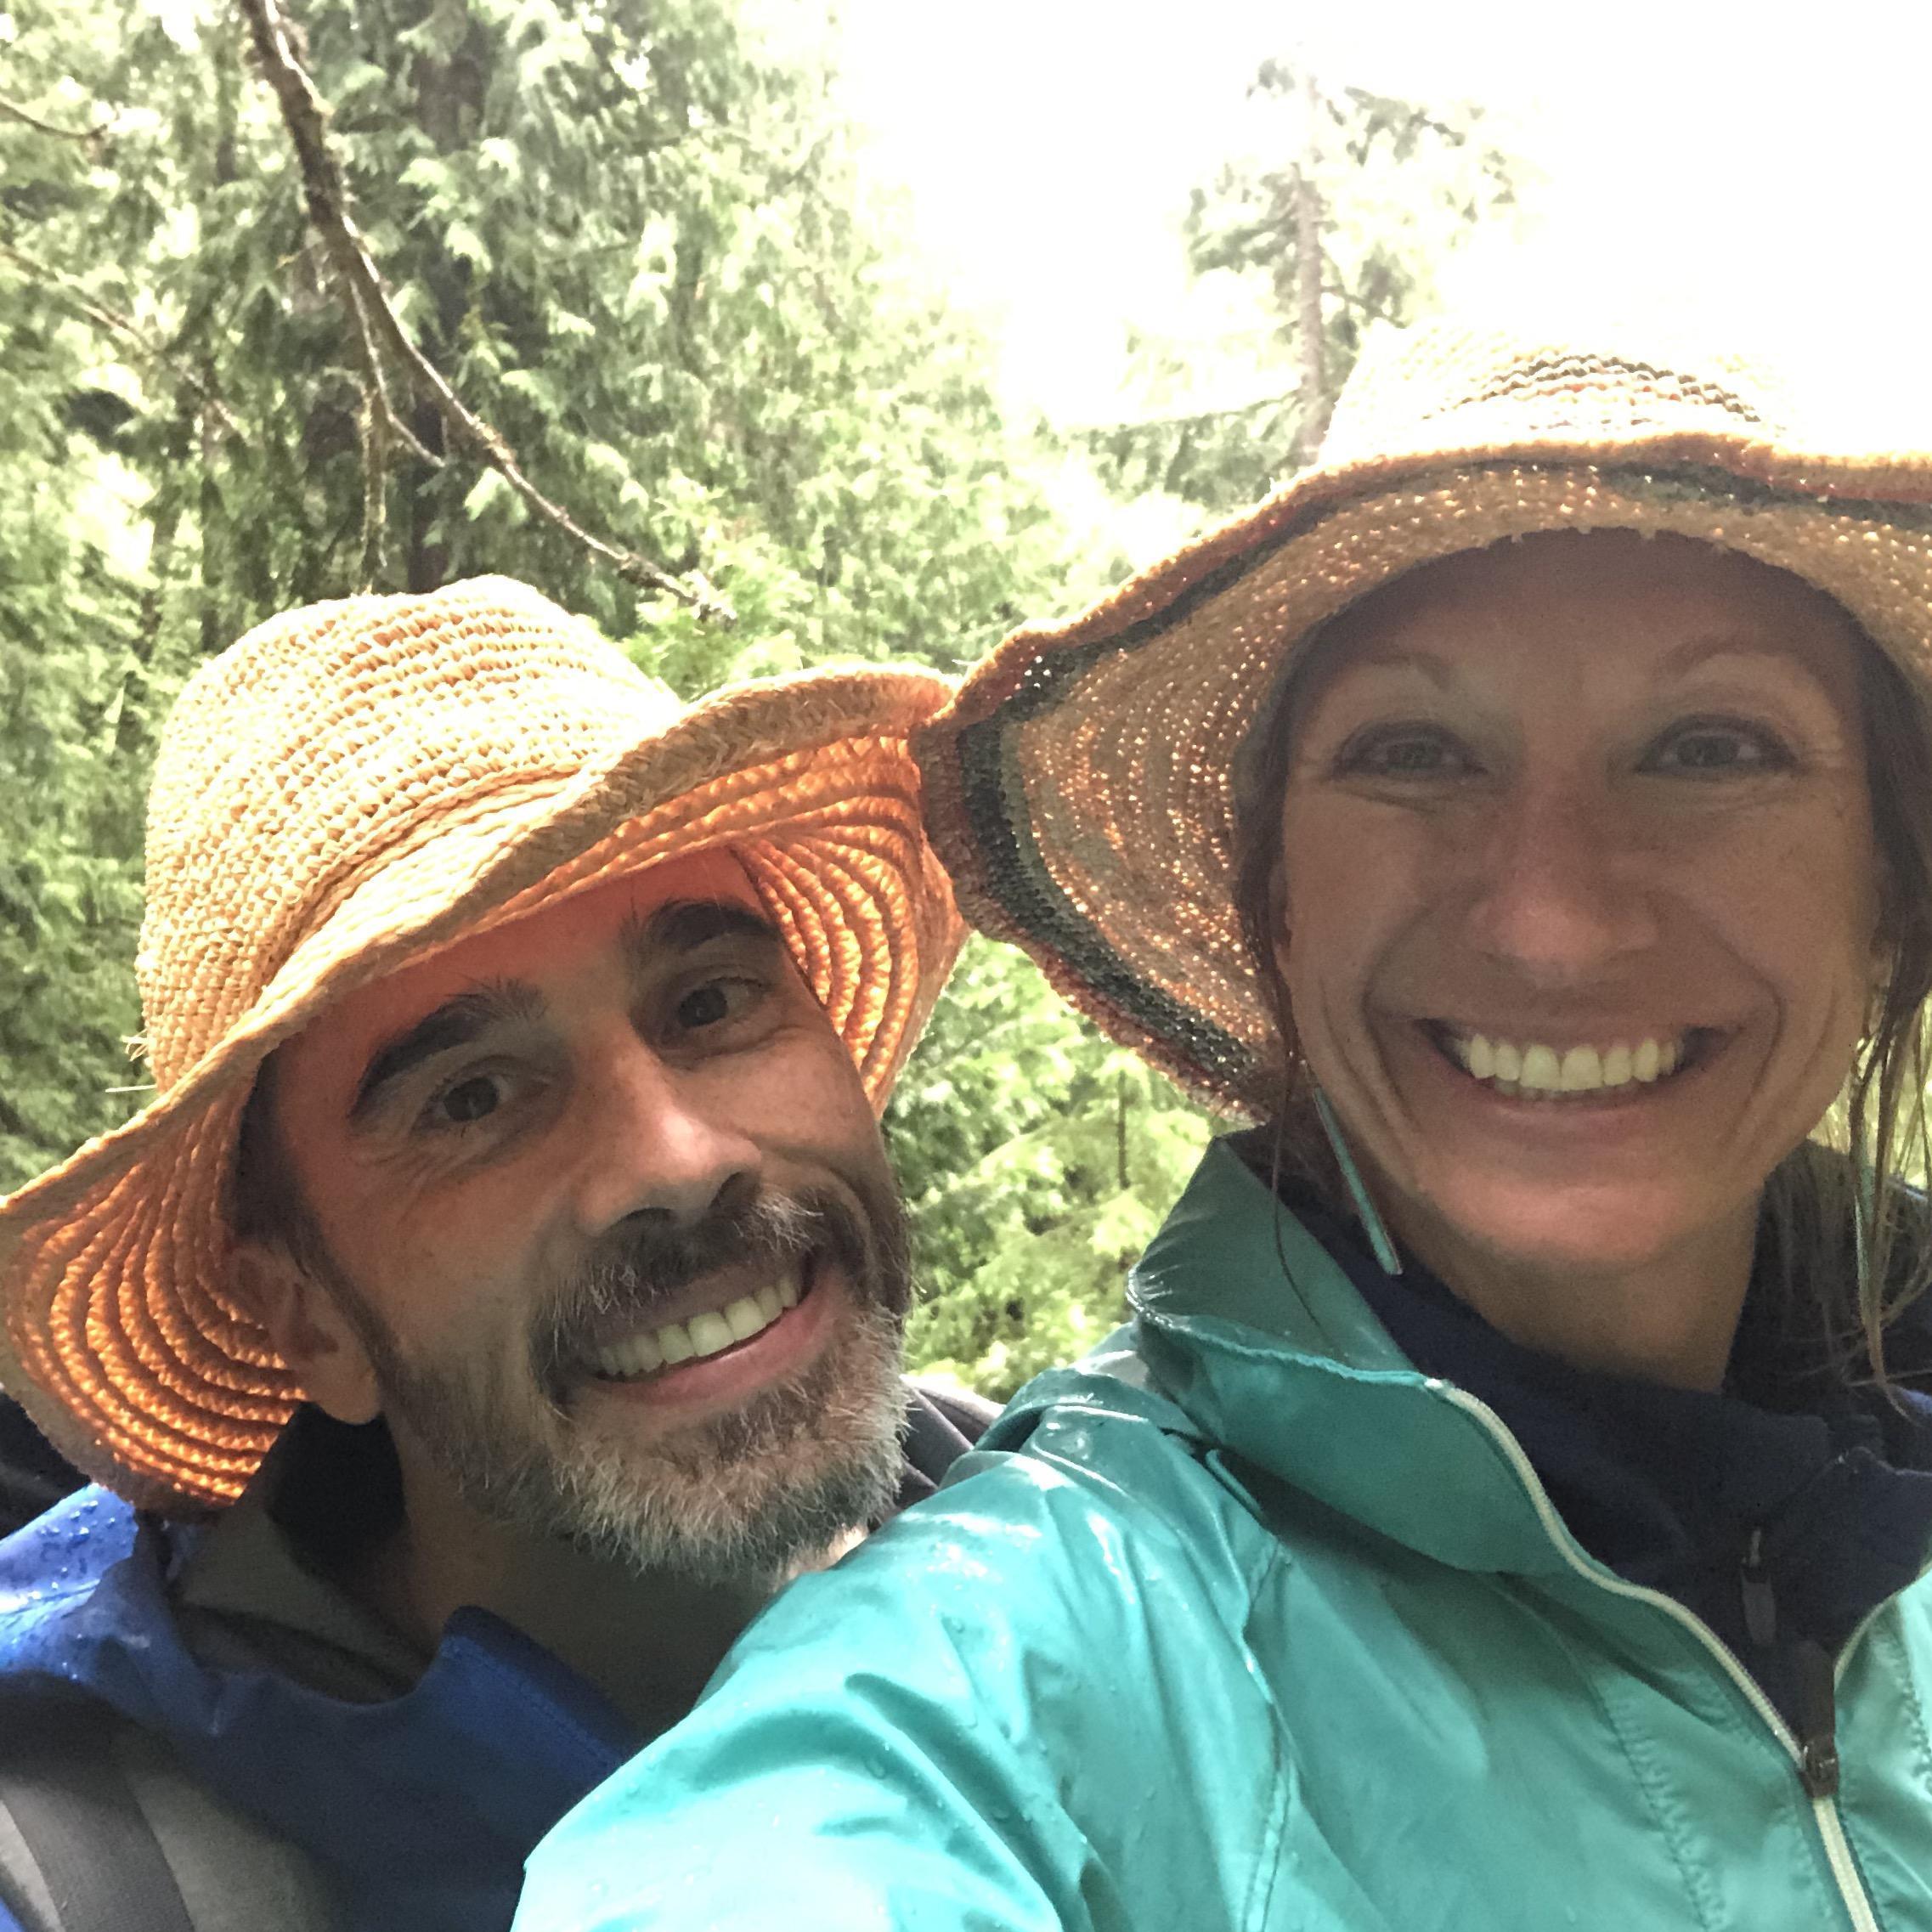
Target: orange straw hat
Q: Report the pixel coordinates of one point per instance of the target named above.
(347, 789)
(1081, 786)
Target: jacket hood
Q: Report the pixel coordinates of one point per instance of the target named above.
(363, 1788)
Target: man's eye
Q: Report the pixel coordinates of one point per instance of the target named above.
(473, 1098)
(1717, 749)
(714, 1002)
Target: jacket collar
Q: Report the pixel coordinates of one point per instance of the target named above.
(1252, 1329)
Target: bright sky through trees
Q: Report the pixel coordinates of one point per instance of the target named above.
(1764, 163)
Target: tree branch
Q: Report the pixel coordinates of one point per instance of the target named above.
(1145, 425)
(379, 328)
(12, 110)
(125, 326)
(375, 425)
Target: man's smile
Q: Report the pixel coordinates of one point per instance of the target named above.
(728, 1306)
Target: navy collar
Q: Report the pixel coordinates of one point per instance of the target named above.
(1822, 1489)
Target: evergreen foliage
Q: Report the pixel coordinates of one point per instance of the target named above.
(632, 243)
(1399, 187)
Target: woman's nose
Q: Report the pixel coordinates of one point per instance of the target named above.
(654, 1142)
(1560, 888)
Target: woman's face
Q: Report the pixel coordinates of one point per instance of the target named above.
(1581, 892)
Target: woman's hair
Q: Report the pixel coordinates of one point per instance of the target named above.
(1853, 1233)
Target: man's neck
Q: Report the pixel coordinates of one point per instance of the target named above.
(648, 1643)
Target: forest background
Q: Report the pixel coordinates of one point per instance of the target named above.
(249, 357)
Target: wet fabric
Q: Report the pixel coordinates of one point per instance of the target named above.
(1782, 1527)
(416, 1784)
(1246, 1623)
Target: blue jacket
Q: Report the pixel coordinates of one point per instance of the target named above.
(419, 1808)
(416, 1792)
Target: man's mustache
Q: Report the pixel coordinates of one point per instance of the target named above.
(644, 1263)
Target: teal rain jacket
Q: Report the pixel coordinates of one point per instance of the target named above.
(1244, 1623)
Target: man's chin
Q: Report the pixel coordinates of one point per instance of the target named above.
(751, 1492)
(747, 1491)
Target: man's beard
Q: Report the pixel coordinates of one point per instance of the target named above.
(748, 1494)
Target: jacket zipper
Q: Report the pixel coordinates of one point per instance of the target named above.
(1818, 1774)
(1817, 1705)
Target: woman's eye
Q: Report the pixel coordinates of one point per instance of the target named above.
(1406, 751)
(1717, 749)
(714, 1002)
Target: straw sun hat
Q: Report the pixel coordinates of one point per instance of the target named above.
(349, 786)
(1079, 786)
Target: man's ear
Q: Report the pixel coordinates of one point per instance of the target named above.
(308, 1331)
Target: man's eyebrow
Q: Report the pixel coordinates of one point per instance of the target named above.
(455, 1023)
(685, 924)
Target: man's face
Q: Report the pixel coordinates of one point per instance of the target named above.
(600, 1195)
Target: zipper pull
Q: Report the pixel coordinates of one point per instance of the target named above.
(1817, 1714)
(1760, 1603)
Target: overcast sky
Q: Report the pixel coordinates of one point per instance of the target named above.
(1705, 157)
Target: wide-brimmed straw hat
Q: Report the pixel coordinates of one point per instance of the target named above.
(1080, 786)
(349, 787)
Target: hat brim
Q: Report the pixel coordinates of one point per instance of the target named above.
(123, 1338)
(1079, 787)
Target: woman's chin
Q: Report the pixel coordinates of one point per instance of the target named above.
(1582, 1229)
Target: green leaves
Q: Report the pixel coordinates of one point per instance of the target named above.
(1037, 1159)
(629, 239)
(1400, 185)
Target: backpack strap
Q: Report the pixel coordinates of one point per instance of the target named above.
(97, 1858)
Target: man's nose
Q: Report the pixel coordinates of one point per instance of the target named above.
(1562, 885)
(651, 1144)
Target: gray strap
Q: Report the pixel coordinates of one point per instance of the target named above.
(103, 1865)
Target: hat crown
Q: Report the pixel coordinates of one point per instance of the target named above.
(1442, 389)
(329, 740)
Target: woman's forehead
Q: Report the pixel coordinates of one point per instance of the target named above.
(1659, 605)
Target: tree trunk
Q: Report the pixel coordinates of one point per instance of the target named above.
(1308, 280)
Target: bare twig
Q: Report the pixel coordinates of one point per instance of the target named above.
(326, 192)
(375, 425)
(375, 387)
(125, 327)
(1184, 419)
(12, 110)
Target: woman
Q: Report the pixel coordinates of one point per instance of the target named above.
(1507, 1505)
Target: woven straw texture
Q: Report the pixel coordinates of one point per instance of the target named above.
(1078, 787)
(347, 789)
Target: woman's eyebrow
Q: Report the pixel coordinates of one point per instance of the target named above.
(458, 1020)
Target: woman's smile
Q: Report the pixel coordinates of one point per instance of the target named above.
(1541, 1069)
(1580, 903)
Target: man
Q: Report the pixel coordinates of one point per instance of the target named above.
(501, 1295)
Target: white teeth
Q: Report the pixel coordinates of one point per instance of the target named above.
(1581, 1071)
(744, 1317)
(1542, 1070)
(705, 1334)
(710, 1334)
